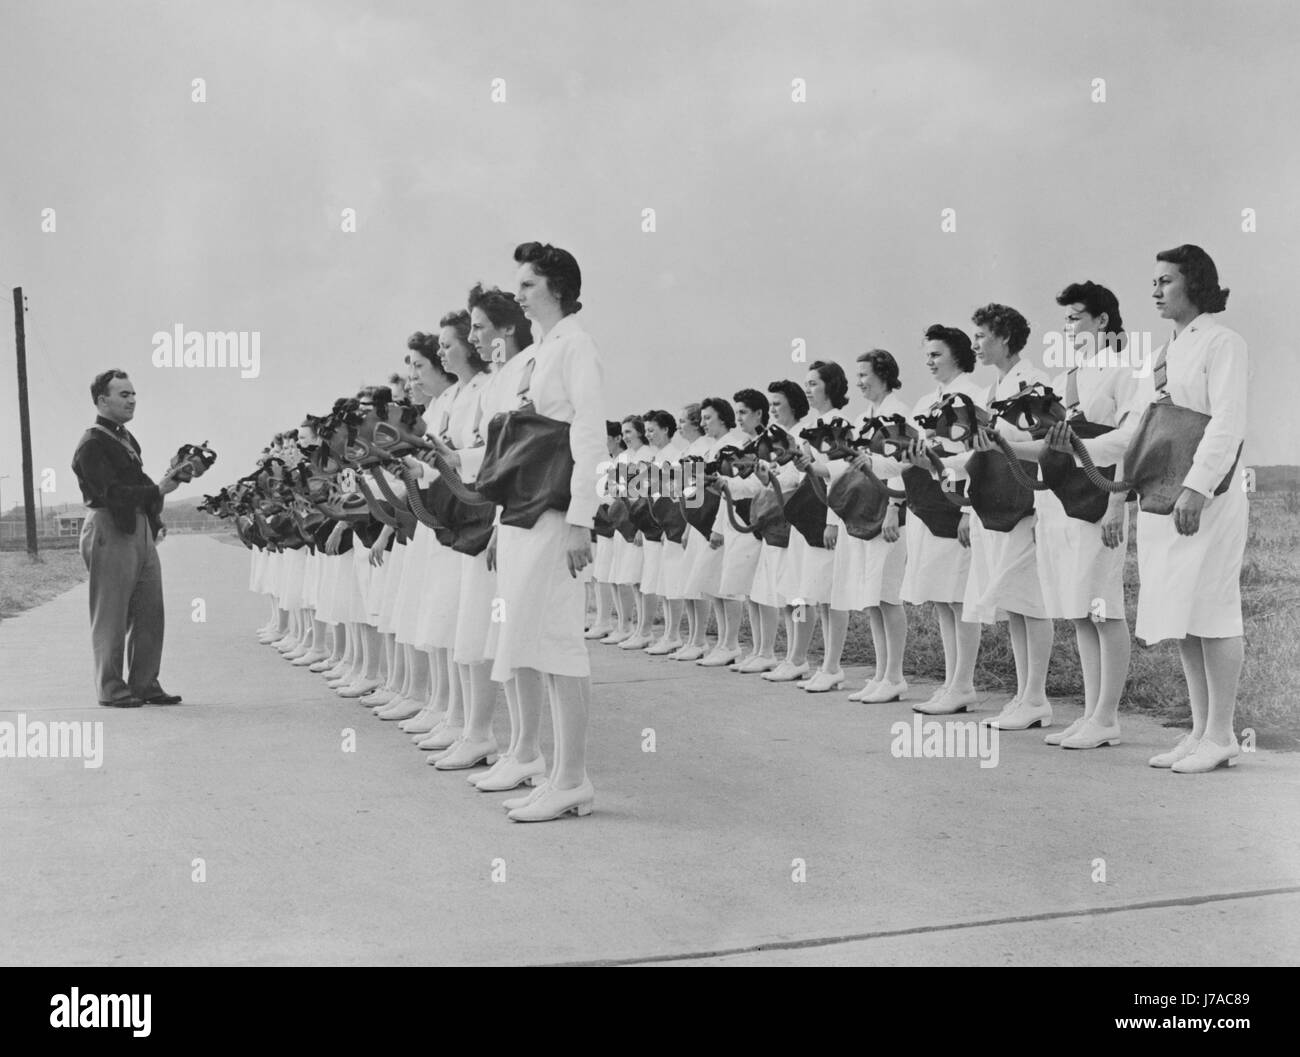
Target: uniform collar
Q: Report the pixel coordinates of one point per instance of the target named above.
(109, 424)
(567, 325)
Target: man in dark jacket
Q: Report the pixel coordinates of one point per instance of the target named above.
(118, 547)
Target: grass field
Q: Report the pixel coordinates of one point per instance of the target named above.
(24, 583)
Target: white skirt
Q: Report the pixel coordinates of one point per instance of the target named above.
(1003, 574)
(271, 573)
(360, 584)
(866, 573)
(256, 564)
(806, 577)
(476, 608)
(652, 557)
(937, 568)
(1191, 585)
(1080, 576)
(767, 577)
(705, 577)
(602, 568)
(295, 568)
(329, 578)
(739, 560)
(394, 563)
(439, 601)
(543, 606)
(375, 588)
(674, 567)
(311, 581)
(406, 608)
(627, 561)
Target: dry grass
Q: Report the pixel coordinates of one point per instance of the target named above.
(25, 584)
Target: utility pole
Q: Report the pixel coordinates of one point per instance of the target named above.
(25, 424)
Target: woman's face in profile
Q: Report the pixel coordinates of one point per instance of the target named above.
(1169, 291)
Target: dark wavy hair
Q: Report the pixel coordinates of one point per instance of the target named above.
(426, 346)
(722, 409)
(503, 310)
(1200, 276)
(883, 366)
(794, 396)
(458, 320)
(754, 400)
(1096, 299)
(558, 267)
(1006, 323)
(100, 383)
(958, 342)
(638, 424)
(663, 420)
(834, 379)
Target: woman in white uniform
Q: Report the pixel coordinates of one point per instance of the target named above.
(660, 428)
(440, 604)
(680, 557)
(500, 331)
(649, 552)
(868, 574)
(541, 569)
(938, 566)
(719, 421)
(626, 562)
(740, 551)
(787, 404)
(602, 568)
(430, 683)
(1189, 561)
(1080, 562)
(1003, 582)
(806, 579)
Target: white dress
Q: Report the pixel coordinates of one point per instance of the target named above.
(440, 604)
(740, 551)
(602, 567)
(1191, 585)
(1003, 566)
(866, 573)
(1076, 570)
(628, 557)
(766, 588)
(543, 604)
(679, 558)
(478, 583)
(410, 591)
(806, 577)
(705, 577)
(937, 568)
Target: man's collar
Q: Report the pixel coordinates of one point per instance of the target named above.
(108, 423)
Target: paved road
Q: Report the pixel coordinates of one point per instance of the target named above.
(316, 855)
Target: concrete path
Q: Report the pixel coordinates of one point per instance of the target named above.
(315, 855)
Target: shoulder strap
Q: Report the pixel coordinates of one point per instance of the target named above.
(526, 381)
(120, 440)
(1161, 372)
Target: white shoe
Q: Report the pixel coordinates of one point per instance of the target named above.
(1185, 747)
(422, 722)
(635, 642)
(785, 672)
(399, 708)
(822, 682)
(308, 659)
(1058, 736)
(866, 691)
(719, 658)
(947, 704)
(441, 737)
(553, 803)
(358, 689)
(886, 691)
(1024, 717)
(1207, 756)
(756, 665)
(512, 774)
(1092, 736)
(520, 801)
(466, 753)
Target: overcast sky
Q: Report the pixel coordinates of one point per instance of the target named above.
(775, 219)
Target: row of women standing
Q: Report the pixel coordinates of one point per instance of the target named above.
(1045, 566)
(425, 634)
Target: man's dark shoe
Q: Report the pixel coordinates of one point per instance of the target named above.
(163, 699)
(125, 702)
